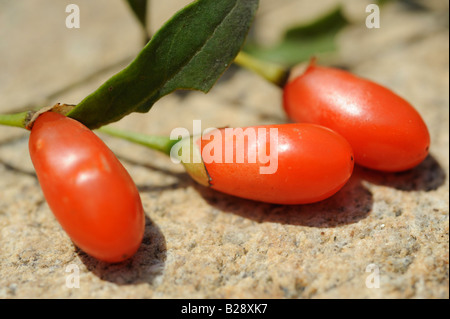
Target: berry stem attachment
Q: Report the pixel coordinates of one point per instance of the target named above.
(16, 120)
(191, 160)
(275, 73)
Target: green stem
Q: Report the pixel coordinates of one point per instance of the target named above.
(160, 143)
(17, 119)
(272, 72)
(191, 161)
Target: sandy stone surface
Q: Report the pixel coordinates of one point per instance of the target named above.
(203, 244)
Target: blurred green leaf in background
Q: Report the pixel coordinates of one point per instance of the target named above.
(301, 42)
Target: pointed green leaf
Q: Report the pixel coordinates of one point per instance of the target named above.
(190, 51)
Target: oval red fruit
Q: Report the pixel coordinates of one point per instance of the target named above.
(299, 164)
(385, 131)
(88, 190)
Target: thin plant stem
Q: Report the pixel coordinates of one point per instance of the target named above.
(272, 72)
(16, 119)
(160, 143)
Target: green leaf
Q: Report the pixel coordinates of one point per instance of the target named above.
(301, 42)
(190, 51)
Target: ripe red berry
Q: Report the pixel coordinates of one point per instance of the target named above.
(87, 188)
(385, 131)
(301, 163)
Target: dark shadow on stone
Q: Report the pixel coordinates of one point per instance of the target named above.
(427, 176)
(143, 267)
(17, 170)
(351, 204)
(228, 74)
(13, 142)
(151, 167)
(182, 94)
(184, 180)
(264, 116)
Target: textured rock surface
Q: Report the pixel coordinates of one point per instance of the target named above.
(203, 244)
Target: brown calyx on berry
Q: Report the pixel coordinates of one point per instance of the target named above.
(57, 108)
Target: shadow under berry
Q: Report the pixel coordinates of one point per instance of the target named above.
(351, 204)
(143, 267)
